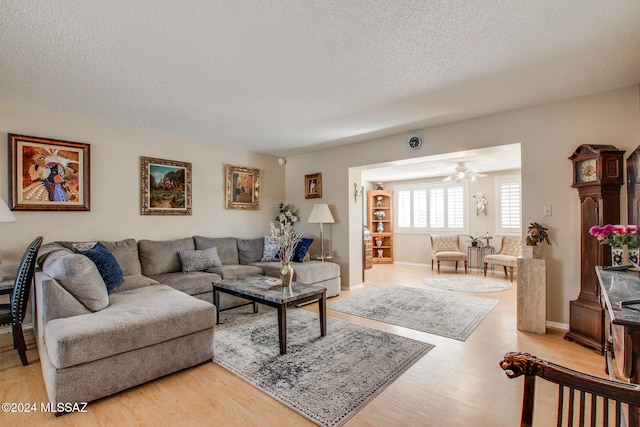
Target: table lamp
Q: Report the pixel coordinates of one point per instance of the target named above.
(5, 216)
(321, 215)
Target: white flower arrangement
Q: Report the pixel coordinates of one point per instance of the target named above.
(286, 217)
(286, 238)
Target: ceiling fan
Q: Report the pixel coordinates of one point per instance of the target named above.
(462, 173)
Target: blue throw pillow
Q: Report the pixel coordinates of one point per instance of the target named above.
(301, 249)
(271, 251)
(104, 260)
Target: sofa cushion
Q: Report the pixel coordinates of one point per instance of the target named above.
(79, 276)
(126, 253)
(135, 281)
(236, 271)
(105, 262)
(134, 319)
(306, 273)
(227, 247)
(250, 250)
(301, 249)
(161, 257)
(192, 283)
(199, 260)
(271, 251)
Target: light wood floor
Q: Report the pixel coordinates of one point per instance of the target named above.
(455, 384)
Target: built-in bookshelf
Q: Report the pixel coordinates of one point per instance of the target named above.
(380, 222)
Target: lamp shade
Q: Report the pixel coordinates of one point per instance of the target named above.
(5, 214)
(321, 215)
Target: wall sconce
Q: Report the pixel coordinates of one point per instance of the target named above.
(356, 193)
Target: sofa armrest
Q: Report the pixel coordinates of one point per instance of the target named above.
(59, 302)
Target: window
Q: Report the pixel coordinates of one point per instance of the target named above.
(426, 208)
(508, 204)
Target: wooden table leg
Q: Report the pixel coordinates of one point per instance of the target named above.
(282, 328)
(322, 308)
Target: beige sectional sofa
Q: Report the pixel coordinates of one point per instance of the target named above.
(157, 321)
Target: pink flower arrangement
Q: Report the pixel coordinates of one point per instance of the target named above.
(616, 235)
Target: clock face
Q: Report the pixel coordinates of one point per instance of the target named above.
(586, 171)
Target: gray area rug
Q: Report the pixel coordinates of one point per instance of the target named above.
(466, 283)
(440, 313)
(326, 379)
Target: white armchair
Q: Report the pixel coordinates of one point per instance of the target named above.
(446, 248)
(507, 256)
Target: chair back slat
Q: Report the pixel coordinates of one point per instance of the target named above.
(571, 405)
(594, 415)
(24, 279)
(560, 405)
(581, 397)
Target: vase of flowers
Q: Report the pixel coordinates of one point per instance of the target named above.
(286, 216)
(284, 236)
(617, 236)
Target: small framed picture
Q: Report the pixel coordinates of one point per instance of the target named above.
(48, 174)
(165, 187)
(242, 188)
(313, 186)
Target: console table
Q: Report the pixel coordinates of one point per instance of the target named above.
(620, 298)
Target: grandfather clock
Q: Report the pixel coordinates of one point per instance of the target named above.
(597, 175)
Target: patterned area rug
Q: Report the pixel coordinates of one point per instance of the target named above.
(440, 313)
(326, 379)
(466, 283)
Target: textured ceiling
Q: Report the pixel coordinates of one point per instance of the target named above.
(292, 76)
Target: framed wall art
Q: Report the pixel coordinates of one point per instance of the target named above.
(313, 186)
(48, 174)
(165, 187)
(242, 188)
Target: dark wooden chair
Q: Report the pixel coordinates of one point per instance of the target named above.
(13, 313)
(582, 399)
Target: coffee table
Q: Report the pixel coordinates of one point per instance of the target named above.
(257, 290)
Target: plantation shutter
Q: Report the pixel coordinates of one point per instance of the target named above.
(455, 207)
(403, 204)
(436, 208)
(510, 205)
(420, 208)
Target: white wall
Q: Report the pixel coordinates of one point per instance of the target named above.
(548, 135)
(115, 186)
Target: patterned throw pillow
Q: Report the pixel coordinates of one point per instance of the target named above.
(301, 249)
(199, 260)
(104, 260)
(271, 250)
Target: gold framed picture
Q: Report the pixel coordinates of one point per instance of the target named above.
(313, 186)
(165, 187)
(242, 188)
(48, 174)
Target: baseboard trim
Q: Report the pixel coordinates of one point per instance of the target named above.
(563, 326)
(417, 264)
